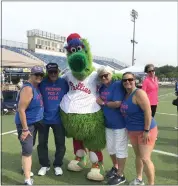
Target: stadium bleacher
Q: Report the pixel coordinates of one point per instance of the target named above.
(61, 61)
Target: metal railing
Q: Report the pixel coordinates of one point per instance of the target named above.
(14, 44)
(48, 35)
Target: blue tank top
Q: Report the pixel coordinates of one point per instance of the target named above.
(34, 112)
(134, 115)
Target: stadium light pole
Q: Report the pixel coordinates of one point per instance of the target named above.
(134, 15)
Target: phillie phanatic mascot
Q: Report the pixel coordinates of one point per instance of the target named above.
(81, 115)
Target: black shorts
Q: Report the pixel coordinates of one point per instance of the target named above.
(153, 109)
(29, 142)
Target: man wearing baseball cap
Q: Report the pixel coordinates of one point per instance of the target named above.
(52, 88)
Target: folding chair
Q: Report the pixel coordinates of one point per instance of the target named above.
(9, 101)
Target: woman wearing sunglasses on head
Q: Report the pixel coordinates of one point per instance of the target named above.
(141, 126)
(28, 117)
(111, 95)
(150, 86)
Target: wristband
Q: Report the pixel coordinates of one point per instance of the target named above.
(146, 130)
(25, 130)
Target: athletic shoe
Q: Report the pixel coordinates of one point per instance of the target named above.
(111, 173)
(117, 180)
(43, 171)
(29, 182)
(137, 182)
(58, 171)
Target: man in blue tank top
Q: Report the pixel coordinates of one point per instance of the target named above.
(52, 89)
(28, 118)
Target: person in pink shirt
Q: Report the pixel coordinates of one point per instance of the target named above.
(150, 86)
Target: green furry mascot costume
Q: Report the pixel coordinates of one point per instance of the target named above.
(81, 115)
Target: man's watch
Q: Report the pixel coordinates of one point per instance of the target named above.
(146, 130)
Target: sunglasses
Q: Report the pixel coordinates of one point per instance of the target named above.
(104, 75)
(151, 71)
(38, 74)
(53, 72)
(129, 79)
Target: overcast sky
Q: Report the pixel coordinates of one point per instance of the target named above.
(107, 26)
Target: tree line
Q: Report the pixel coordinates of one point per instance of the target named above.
(167, 71)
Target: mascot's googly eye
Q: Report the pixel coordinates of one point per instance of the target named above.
(79, 48)
(73, 50)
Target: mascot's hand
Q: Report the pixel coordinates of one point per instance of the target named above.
(99, 101)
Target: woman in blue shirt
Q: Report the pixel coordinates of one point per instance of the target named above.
(111, 95)
(142, 128)
(28, 116)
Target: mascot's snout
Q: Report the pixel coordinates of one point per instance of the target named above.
(78, 62)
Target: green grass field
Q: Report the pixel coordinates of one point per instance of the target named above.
(165, 164)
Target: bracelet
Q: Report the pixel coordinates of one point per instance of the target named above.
(25, 130)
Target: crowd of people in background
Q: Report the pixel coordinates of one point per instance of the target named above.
(129, 115)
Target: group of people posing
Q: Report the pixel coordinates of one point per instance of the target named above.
(128, 111)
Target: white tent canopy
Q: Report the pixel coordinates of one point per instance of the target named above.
(13, 59)
(134, 69)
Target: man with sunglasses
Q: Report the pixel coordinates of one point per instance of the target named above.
(52, 88)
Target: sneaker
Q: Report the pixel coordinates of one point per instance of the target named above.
(43, 171)
(117, 180)
(29, 182)
(137, 182)
(176, 128)
(31, 173)
(111, 173)
(58, 171)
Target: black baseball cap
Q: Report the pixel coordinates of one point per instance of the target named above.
(52, 67)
